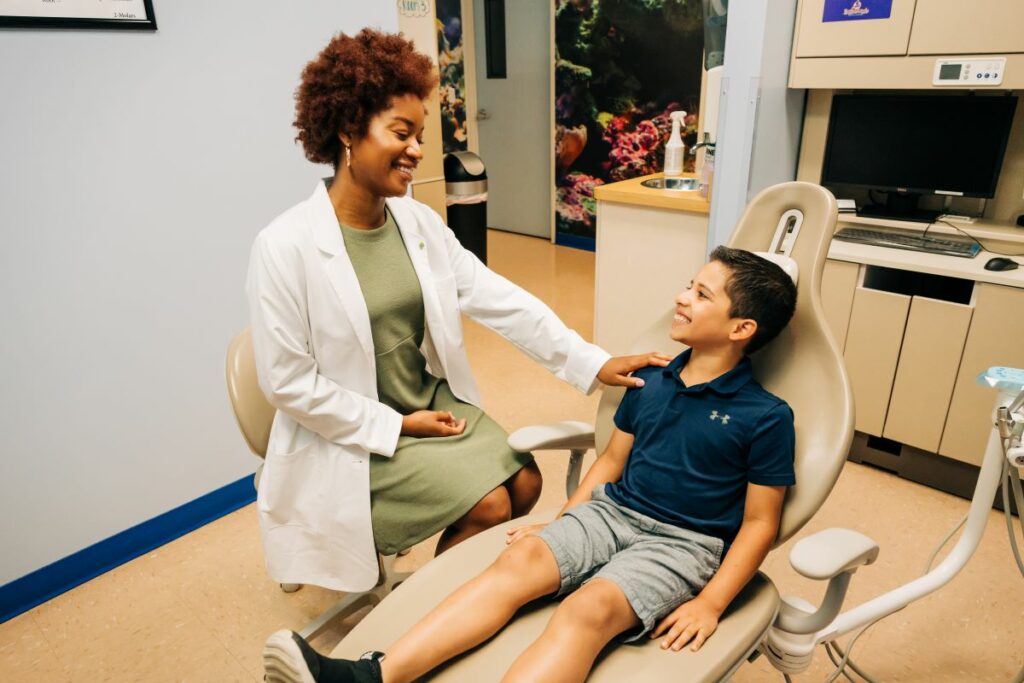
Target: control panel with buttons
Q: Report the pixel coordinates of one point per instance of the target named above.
(972, 72)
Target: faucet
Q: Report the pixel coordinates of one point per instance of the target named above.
(706, 142)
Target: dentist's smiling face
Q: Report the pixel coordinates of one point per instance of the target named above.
(702, 309)
(384, 159)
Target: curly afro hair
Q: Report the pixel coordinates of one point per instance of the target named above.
(352, 80)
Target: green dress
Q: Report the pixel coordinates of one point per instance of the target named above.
(429, 482)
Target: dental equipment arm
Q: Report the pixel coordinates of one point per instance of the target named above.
(791, 641)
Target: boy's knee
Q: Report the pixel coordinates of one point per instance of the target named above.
(598, 606)
(527, 568)
(521, 556)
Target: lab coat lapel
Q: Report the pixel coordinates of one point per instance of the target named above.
(327, 235)
(409, 225)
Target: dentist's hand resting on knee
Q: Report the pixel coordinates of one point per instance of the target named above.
(432, 423)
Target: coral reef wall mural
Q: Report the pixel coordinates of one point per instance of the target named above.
(453, 75)
(621, 67)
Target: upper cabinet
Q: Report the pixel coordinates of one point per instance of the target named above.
(847, 29)
(897, 44)
(955, 27)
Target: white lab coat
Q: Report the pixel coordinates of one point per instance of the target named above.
(315, 362)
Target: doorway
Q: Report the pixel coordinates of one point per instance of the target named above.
(514, 119)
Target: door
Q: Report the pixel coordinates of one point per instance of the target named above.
(514, 119)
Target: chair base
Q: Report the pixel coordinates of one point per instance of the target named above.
(353, 602)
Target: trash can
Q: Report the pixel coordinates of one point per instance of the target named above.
(465, 184)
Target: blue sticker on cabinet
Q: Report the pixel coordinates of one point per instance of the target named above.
(854, 10)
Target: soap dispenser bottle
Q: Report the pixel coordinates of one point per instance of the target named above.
(675, 149)
(707, 169)
(707, 172)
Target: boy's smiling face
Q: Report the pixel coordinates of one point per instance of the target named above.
(702, 317)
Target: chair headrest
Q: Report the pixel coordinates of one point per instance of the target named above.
(784, 262)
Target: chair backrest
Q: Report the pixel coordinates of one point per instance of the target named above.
(254, 414)
(803, 364)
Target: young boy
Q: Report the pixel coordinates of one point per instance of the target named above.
(668, 525)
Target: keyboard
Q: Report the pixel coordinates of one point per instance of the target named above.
(913, 240)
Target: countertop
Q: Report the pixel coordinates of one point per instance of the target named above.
(1000, 237)
(632, 192)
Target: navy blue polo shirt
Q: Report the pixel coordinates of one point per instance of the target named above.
(696, 448)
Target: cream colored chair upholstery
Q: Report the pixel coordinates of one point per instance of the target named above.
(803, 366)
(252, 411)
(255, 417)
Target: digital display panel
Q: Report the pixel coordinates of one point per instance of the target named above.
(950, 72)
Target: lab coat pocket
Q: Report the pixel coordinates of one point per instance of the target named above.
(291, 487)
(448, 295)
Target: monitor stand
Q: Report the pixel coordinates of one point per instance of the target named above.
(900, 206)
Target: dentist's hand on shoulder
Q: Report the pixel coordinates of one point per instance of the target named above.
(432, 423)
(615, 372)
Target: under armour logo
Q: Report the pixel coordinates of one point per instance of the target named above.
(715, 416)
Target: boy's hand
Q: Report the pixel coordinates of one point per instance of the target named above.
(694, 620)
(513, 535)
(432, 423)
(615, 372)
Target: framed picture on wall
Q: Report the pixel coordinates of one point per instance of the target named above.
(101, 14)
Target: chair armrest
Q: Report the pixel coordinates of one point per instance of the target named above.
(576, 437)
(571, 435)
(832, 552)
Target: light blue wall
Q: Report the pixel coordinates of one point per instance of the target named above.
(760, 120)
(135, 169)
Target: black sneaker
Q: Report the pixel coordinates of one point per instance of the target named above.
(288, 658)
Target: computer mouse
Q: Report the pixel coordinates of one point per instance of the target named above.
(1001, 263)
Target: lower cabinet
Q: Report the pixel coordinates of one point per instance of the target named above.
(872, 352)
(996, 337)
(913, 345)
(929, 359)
(636, 283)
(838, 284)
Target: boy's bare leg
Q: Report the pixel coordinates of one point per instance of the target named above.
(525, 571)
(582, 625)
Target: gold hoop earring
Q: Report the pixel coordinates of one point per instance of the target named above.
(348, 156)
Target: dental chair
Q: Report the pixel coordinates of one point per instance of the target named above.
(255, 416)
(793, 223)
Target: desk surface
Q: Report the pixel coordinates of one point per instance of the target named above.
(982, 229)
(938, 264)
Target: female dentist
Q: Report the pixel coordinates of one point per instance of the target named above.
(355, 300)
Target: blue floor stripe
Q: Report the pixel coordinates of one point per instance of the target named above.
(565, 239)
(50, 581)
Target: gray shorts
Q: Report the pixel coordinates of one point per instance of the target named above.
(657, 566)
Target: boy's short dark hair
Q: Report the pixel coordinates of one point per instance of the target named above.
(760, 290)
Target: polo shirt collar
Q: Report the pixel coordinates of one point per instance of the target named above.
(726, 384)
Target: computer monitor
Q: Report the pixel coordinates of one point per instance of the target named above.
(909, 145)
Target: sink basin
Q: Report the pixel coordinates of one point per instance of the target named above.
(676, 184)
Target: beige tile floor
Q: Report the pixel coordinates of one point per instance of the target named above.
(199, 608)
